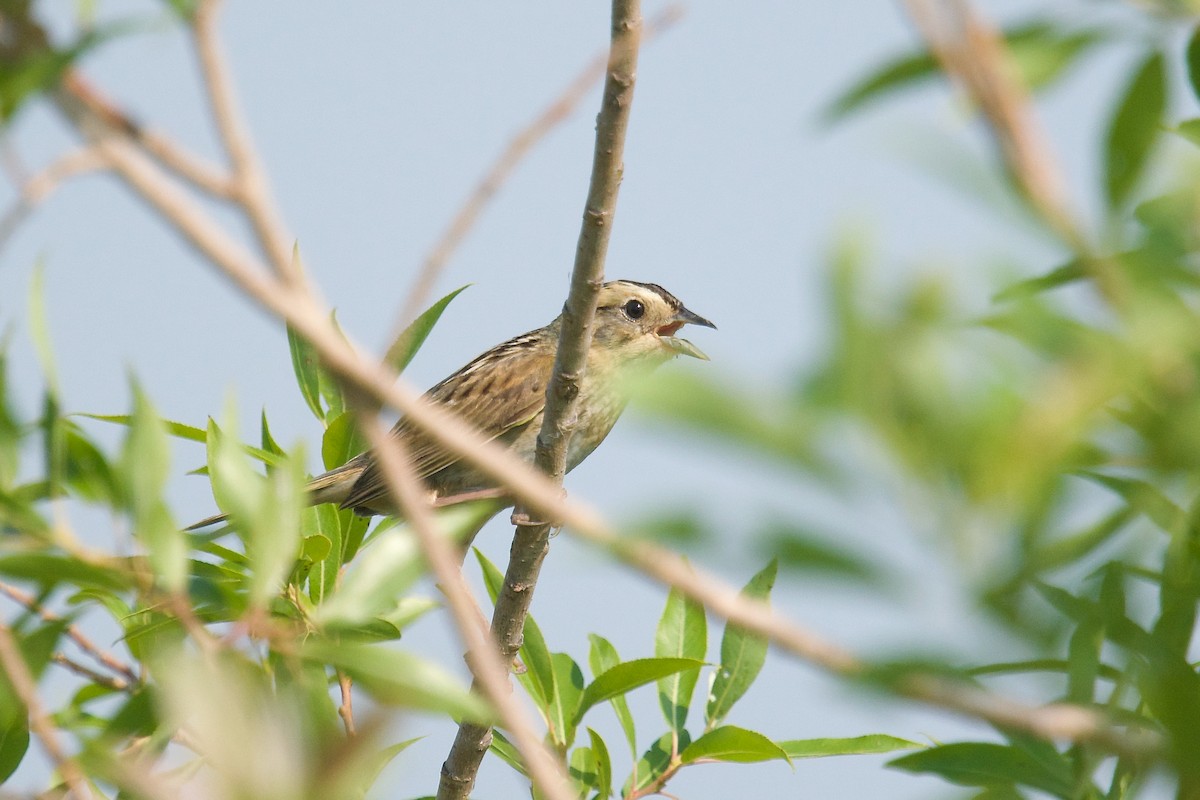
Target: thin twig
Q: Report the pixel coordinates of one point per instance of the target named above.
(95, 676)
(531, 540)
(166, 151)
(342, 357)
(35, 189)
(490, 671)
(39, 721)
(102, 657)
(346, 709)
(249, 178)
(518, 147)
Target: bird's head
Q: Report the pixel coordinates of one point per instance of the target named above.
(638, 322)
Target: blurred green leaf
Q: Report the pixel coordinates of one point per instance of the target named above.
(369, 769)
(406, 345)
(730, 743)
(1134, 129)
(799, 549)
(48, 570)
(602, 657)
(11, 430)
(507, 752)
(1193, 61)
(145, 467)
(855, 745)
(1064, 275)
(742, 654)
(190, 433)
(581, 768)
(39, 326)
(682, 633)
(992, 765)
(373, 583)
(1042, 51)
(1143, 497)
(393, 676)
(14, 740)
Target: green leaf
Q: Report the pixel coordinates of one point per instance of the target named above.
(1134, 129)
(373, 583)
(144, 468)
(39, 327)
(306, 366)
(14, 741)
(654, 762)
(852, 746)
(50, 570)
(538, 678)
(602, 657)
(393, 676)
(507, 752)
(1146, 498)
(1193, 61)
(564, 706)
(742, 654)
(603, 765)
(188, 433)
(629, 675)
(411, 338)
(682, 633)
(367, 770)
(730, 743)
(582, 770)
(1059, 276)
(342, 441)
(990, 765)
(269, 445)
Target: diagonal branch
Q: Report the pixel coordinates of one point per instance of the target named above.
(518, 147)
(40, 723)
(532, 539)
(487, 666)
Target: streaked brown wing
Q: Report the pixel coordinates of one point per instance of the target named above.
(500, 390)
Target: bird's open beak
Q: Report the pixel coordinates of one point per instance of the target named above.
(682, 346)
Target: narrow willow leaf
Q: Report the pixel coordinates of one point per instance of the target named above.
(1193, 61)
(538, 678)
(145, 462)
(14, 737)
(654, 762)
(730, 743)
(367, 770)
(629, 675)
(856, 745)
(564, 706)
(393, 676)
(406, 345)
(188, 433)
(269, 445)
(342, 440)
(371, 586)
(990, 765)
(603, 765)
(742, 654)
(1146, 498)
(682, 633)
(306, 367)
(1134, 129)
(582, 770)
(602, 657)
(508, 752)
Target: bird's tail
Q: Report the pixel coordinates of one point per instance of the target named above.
(331, 487)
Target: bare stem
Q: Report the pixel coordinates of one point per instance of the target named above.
(39, 721)
(518, 147)
(34, 190)
(102, 657)
(251, 187)
(346, 709)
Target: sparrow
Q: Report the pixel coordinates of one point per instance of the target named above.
(502, 394)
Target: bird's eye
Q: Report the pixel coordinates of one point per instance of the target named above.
(634, 309)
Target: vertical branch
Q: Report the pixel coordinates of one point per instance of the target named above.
(532, 538)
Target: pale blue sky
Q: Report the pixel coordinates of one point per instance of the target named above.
(376, 119)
